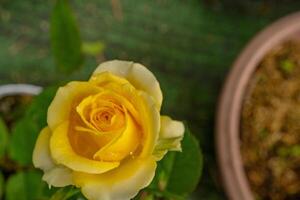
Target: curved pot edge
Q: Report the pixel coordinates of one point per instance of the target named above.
(13, 89)
(230, 103)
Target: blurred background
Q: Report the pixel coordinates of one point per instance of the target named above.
(188, 44)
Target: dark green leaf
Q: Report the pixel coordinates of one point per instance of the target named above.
(66, 193)
(65, 38)
(187, 167)
(37, 111)
(25, 132)
(178, 173)
(3, 138)
(25, 186)
(1, 184)
(78, 196)
(22, 142)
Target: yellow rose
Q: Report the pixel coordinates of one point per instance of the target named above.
(105, 135)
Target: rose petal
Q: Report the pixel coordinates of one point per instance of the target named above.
(138, 75)
(170, 128)
(73, 92)
(104, 99)
(122, 183)
(58, 177)
(63, 154)
(119, 88)
(170, 136)
(150, 121)
(41, 154)
(123, 145)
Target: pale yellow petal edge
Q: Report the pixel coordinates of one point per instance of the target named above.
(138, 75)
(54, 175)
(121, 184)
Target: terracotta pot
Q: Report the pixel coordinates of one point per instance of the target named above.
(231, 101)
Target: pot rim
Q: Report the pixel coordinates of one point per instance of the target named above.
(14, 89)
(231, 101)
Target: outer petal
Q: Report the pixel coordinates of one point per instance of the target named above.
(120, 184)
(138, 75)
(54, 175)
(170, 136)
(63, 154)
(64, 99)
(150, 121)
(41, 154)
(170, 128)
(58, 177)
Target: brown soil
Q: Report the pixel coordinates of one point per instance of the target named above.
(271, 126)
(13, 107)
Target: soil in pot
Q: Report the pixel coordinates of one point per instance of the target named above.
(12, 108)
(270, 139)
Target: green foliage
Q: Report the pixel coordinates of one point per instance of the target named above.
(22, 142)
(178, 173)
(65, 38)
(26, 130)
(186, 168)
(25, 186)
(65, 193)
(93, 48)
(196, 25)
(37, 111)
(78, 196)
(1, 184)
(3, 138)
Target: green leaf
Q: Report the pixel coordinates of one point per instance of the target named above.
(179, 172)
(92, 48)
(65, 38)
(26, 130)
(37, 111)
(1, 184)
(22, 142)
(3, 138)
(65, 193)
(78, 196)
(25, 186)
(187, 167)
